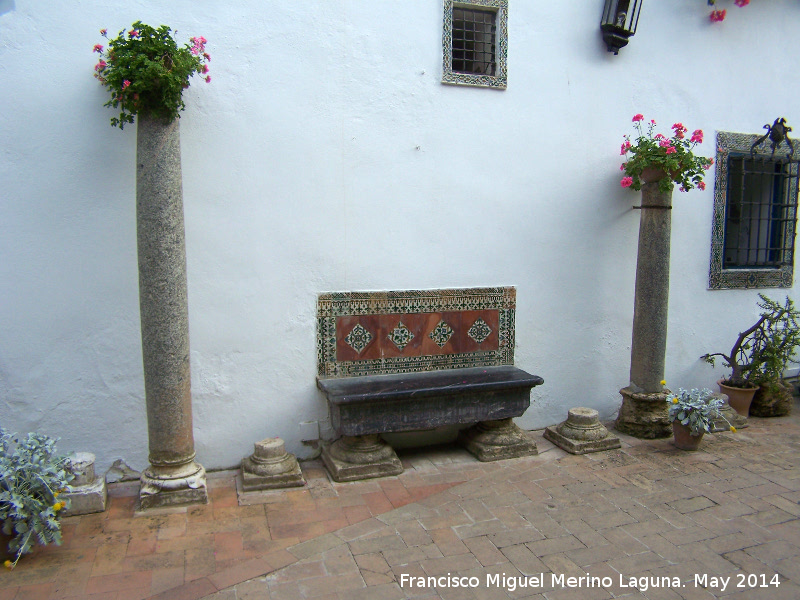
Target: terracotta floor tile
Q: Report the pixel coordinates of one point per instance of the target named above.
(227, 545)
(192, 590)
(119, 581)
(200, 562)
(165, 579)
(8, 593)
(378, 503)
(39, 591)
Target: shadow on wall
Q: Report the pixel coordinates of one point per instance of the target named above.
(6, 6)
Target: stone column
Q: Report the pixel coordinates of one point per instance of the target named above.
(173, 476)
(644, 410)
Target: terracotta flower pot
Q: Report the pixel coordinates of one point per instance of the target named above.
(684, 440)
(652, 174)
(739, 398)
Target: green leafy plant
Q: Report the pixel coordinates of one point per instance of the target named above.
(763, 351)
(146, 72)
(672, 156)
(697, 409)
(32, 475)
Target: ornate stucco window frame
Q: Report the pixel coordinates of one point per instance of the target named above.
(741, 278)
(499, 81)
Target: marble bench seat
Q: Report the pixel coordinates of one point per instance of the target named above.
(362, 408)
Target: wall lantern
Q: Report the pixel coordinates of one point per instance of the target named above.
(620, 18)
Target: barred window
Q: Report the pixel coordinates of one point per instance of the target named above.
(755, 216)
(475, 43)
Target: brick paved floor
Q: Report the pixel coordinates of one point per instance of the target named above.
(622, 517)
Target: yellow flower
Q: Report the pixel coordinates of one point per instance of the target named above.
(8, 564)
(675, 400)
(58, 506)
(733, 429)
(55, 494)
(663, 382)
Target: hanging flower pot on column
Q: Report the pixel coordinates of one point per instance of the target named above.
(654, 164)
(146, 73)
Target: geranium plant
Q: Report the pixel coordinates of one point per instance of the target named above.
(672, 156)
(146, 72)
(718, 15)
(32, 475)
(696, 409)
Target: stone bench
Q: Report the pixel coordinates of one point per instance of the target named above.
(396, 361)
(362, 408)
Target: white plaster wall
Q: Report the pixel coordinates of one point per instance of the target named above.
(327, 156)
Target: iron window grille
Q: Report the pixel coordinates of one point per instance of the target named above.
(474, 34)
(755, 216)
(475, 43)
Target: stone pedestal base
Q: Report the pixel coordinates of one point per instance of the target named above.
(87, 494)
(171, 486)
(351, 458)
(731, 417)
(644, 415)
(582, 432)
(497, 440)
(270, 467)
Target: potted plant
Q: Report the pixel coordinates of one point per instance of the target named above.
(32, 475)
(759, 354)
(776, 348)
(146, 72)
(692, 413)
(667, 160)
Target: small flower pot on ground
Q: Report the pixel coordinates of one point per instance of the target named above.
(684, 439)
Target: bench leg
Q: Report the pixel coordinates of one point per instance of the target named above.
(360, 457)
(497, 440)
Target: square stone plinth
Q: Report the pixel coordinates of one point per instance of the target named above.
(497, 440)
(580, 446)
(86, 499)
(252, 482)
(342, 470)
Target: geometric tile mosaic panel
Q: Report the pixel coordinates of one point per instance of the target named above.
(371, 333)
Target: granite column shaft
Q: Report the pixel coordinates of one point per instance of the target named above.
(173, 476)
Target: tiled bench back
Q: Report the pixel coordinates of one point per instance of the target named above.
(374, 333)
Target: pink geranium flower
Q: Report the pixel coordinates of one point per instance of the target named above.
(98, 48)
(701, 185)
(125, 84)
(638, 117)
(742, 2)
(133, 33)
(717, 16)
(697, 136)
(671, 150)
(626, 182)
